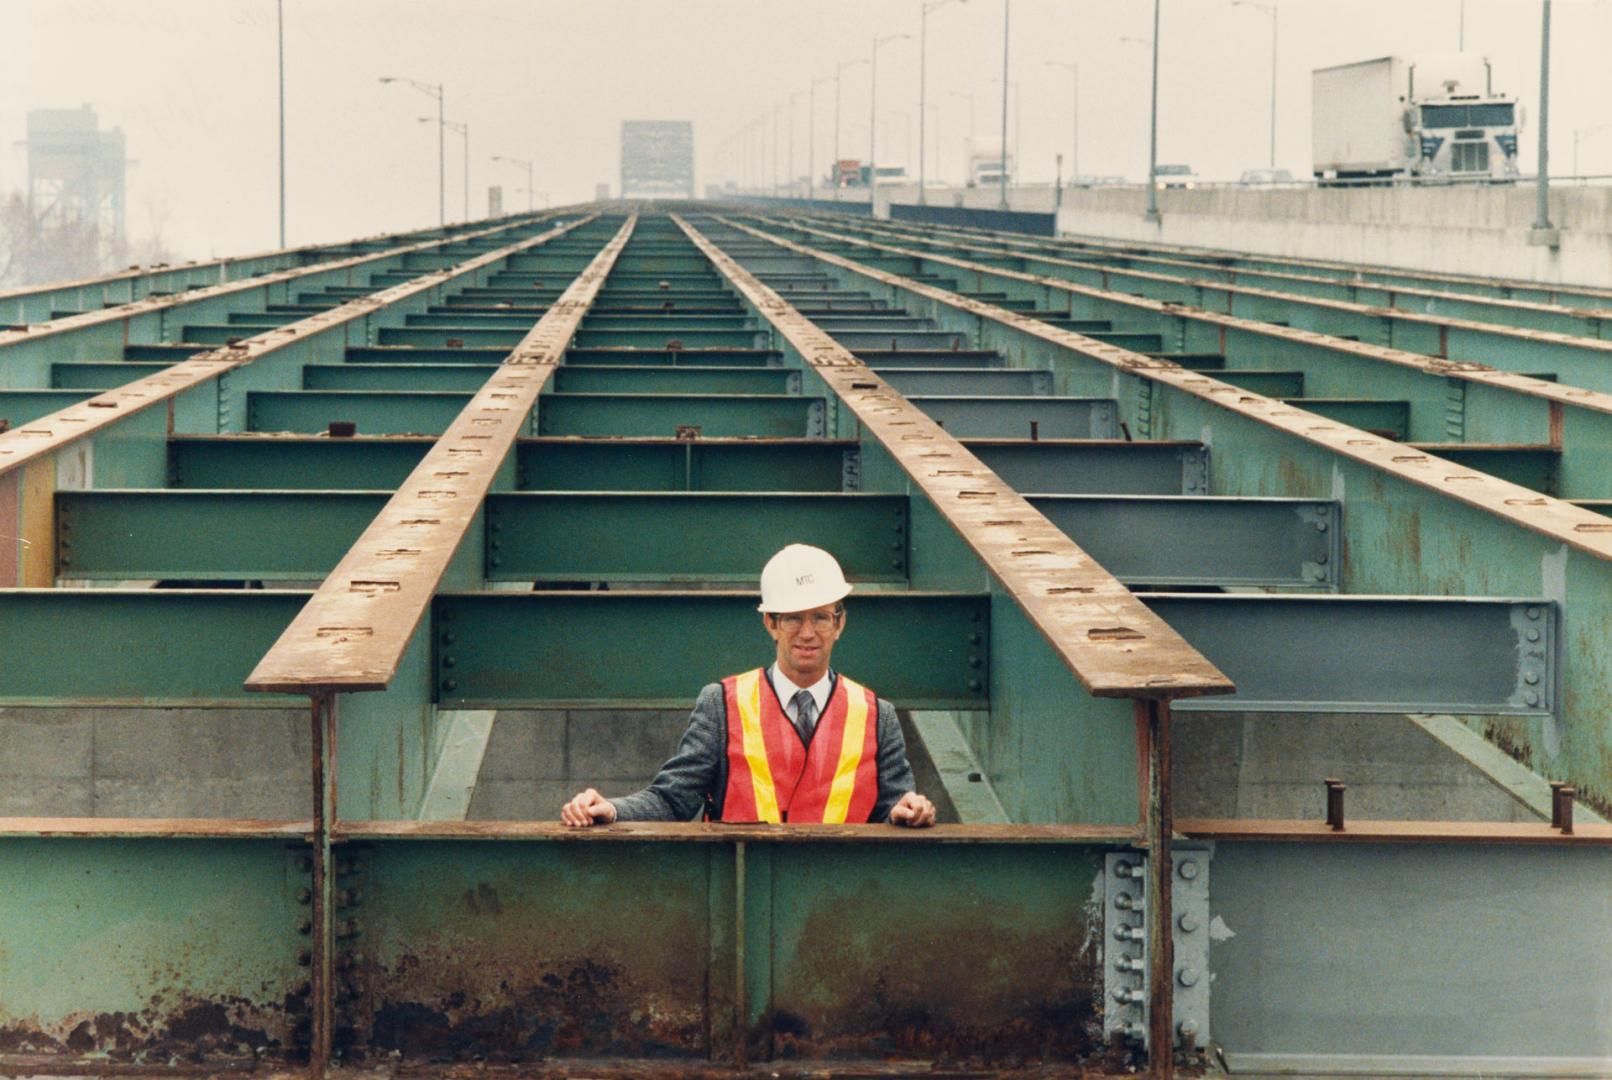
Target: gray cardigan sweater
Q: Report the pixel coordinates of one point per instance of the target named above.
(695, 780)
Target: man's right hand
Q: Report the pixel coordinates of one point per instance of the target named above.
(587, 808)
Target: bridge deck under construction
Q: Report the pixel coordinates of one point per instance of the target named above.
(324, 573)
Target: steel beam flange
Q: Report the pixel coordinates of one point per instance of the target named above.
(1112, 643)
(1557, 519)
(352, 633)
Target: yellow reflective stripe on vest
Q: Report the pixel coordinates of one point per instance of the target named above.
(856, 730)
(747, 689)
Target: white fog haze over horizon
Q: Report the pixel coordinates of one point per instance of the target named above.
(192, 85)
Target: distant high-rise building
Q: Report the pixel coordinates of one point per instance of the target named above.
(657, 159)
(76, 176)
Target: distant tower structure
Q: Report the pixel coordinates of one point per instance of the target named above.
(657, 159)
(76, 178)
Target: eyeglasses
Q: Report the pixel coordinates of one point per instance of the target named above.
(822, 621)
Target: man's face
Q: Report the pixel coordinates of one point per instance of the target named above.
(804, 640)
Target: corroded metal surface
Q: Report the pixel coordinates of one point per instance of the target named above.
(1112, 643)
(506, 953)
(173, 828)
(49, 434)
(353, 632)
(1579, 528)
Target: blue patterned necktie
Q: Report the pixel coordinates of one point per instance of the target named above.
(805, 714)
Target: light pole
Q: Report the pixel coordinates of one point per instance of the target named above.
(463, 131)
(811, 136)
(1153, 122)
(1542, 226)
(839, 70)
(530, 194)
(1579, 133)
(279, 14)
(873, 117)
(790, 178)
(775, 110)
(1269, 9)
(1007, 13)
(1074, 113)
(1018, 127)
(923, 83)
(433, 90)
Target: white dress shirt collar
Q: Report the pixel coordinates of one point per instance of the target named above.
(787, 690)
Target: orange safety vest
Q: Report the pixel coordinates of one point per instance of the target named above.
(774, 777)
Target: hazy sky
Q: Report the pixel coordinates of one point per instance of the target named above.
(192, 85)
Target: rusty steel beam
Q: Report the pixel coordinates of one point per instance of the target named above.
(352, 633)
(1395, 832)
(1574, 526)
(32, 441)
(1108, 639)
(1562, 394)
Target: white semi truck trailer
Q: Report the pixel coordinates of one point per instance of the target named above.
(1427, 116)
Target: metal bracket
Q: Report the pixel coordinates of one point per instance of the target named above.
(851, 469)
(1125, 960)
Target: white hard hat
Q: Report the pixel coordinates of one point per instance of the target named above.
(799, 578)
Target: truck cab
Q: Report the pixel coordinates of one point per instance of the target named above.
(1465, 136)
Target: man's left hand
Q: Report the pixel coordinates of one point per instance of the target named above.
(913, 811)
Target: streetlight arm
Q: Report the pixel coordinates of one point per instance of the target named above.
(432, 90)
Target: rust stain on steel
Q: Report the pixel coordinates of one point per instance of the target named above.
(378, 590)
(1155, 663)
(74, 422)
(996, 992)
(705, 833)
(1469, 370)
(1543, 514)
(1394, 832)
(173, 1029)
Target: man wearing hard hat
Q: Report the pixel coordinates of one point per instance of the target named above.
(795, 741)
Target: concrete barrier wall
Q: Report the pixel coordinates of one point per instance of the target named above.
(1466, 230)
(1470, 230)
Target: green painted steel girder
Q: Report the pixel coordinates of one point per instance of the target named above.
(688, 537)
(138, 646)
(498, 650)
(1155, 467)
(1176, 540)
(775, 415)
(1023, 417)
(208, 535)
(388, 412)
(635, 379)
(1293, 653)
